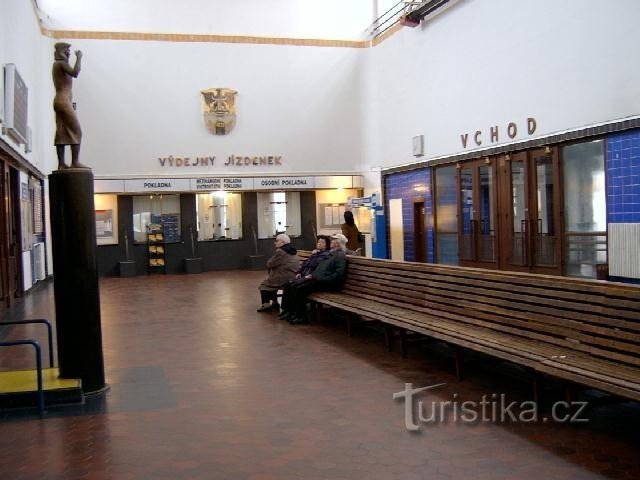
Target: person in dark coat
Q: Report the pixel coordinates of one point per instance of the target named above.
(282, 267)
(329, 275)
(321, 252)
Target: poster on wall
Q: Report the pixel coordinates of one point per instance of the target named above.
(333, 215)
(171, 226)
(104, 227)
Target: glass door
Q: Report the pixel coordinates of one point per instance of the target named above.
(530, 211)
(486, 237)
(545, 228)
(466, 214)
(585, 208)
(477, 214)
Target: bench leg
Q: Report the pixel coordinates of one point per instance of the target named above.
(570, 393)
(536, 382)
(459, 354)
(388, 337)
(314, 312)
(349, 325)
(403, 343)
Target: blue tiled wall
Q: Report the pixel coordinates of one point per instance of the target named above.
(623, 177)
(410, 186)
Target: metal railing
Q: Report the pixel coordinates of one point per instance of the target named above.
(38, 351)
(415, 9)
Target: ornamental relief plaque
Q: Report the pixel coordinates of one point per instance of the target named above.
(219, 109)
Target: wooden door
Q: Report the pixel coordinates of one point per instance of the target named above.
(478, 214)
(5, 297)
(12, 185)
(546, 211)
(530, 211)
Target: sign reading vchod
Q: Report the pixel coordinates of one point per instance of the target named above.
(496, 134)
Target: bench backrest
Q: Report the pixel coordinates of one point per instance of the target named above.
(589, 316)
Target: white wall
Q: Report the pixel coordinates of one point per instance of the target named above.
(484, 63)
(22, 44)
(138, 101)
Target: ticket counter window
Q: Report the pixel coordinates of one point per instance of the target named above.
(219, 216)
(161, 210)
(279, 212)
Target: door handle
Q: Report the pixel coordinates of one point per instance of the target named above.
(474, 237)
(523, 230)
(524, 227)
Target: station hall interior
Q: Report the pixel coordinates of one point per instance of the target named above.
(488, 152)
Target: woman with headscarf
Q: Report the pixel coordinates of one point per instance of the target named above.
(321, 252)
(328, 276)
(350, 230)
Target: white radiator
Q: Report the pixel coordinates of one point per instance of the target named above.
(38, 261)
(624, 250)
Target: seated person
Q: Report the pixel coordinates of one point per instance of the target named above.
(282, 267)
(323, 244)
(328, 275)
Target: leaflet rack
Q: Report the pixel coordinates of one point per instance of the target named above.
(155, 246)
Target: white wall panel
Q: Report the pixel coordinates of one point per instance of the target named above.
(396, 229)
(140, 101)
(485, 63)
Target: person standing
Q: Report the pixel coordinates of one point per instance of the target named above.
(350, 230)
(282, 267)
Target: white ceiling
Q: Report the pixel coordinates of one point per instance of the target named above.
(327, 19)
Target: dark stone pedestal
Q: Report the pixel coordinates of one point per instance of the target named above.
(77, 298)
(193, 265)
(256, 262)
(127, 268)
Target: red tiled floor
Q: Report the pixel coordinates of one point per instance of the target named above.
(203, 387)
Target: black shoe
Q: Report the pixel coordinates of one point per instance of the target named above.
(284, 315)
(265, 307)
(295, 320)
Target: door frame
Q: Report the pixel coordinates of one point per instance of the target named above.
(5, 298)
(422, 218)
(475, 166)
(558, 209)
(16, 289)
(505, 208)
(530, 221)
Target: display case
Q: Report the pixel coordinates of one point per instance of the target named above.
(156, 248)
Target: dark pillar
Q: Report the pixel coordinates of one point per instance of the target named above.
(73, 234)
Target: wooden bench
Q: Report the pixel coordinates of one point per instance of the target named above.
(584, 331)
